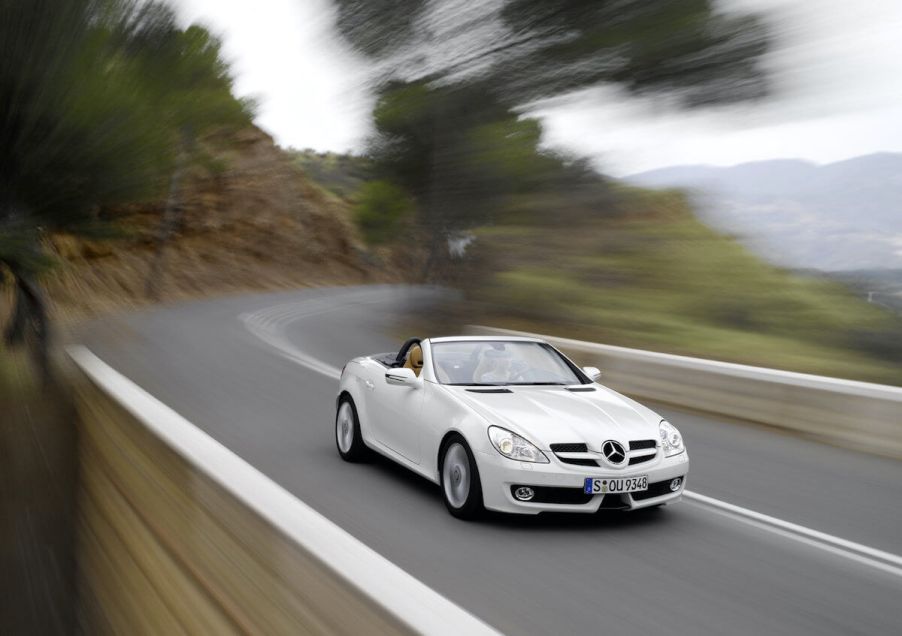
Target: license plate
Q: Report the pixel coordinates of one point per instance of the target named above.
(604, 485)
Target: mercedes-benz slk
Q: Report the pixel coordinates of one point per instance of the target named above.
(508, 424)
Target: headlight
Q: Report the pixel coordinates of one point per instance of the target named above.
(671, 440)
(513, 446)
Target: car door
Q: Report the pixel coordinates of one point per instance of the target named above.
(398, 413)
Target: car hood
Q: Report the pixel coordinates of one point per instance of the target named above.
(553, 415)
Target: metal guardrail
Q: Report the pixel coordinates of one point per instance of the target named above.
(858, 415)
(177, 534)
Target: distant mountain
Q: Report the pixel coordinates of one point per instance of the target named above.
(839, 216)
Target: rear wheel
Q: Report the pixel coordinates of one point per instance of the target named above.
(347, 432)
(461, 488)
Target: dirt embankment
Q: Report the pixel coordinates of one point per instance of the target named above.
(251, 220)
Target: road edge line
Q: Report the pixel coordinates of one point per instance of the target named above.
(857, 552)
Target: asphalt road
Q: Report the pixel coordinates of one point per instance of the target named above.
(684, 569)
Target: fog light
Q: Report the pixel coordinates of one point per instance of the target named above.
(524, 493)
(676, 483)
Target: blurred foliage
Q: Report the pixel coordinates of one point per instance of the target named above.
(652, 276)
(453, 79)
(529, 49)
(459, 155)
(380, 210)
(96, 100)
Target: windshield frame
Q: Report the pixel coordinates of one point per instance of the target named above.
(582, 378)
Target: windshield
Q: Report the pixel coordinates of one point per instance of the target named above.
(493, 363)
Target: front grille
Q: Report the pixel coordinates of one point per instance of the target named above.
(642, 445)
(556, 495)
(578, 462)
(573, 448)
(635, 445)
(569, 448)
(654, 490)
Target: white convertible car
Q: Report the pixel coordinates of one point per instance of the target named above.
(508, 424)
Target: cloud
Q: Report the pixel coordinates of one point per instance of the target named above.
(837, 69)
(286, 53)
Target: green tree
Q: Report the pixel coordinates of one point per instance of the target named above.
(88, 120)
(380, 210)
(457, 153)
(454, 80)
(529, 49)
(189, 87)
(73, 138)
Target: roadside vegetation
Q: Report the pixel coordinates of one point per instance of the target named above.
(654, 277)
(131, 174)
(103, 103)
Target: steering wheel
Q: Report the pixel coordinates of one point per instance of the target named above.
(399, 359)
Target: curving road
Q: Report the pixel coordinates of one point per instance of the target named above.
(257, 373)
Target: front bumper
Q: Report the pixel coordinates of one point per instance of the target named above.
(498, 474)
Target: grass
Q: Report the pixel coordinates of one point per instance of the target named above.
(653, 277)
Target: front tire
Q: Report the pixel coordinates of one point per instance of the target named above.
(461, 487)
(347, 432)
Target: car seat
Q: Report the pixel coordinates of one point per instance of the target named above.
(415, 359)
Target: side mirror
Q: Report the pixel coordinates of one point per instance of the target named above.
(402, 377)
(593, 372)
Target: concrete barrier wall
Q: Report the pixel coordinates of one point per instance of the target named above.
(856, 415)
(179, 535)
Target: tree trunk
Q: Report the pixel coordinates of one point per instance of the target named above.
(30, 323)
(436, 244)
(171, 219)
(434, 219)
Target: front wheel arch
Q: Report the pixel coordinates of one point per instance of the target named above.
(446, 439)
(357, 450)
(473, 507)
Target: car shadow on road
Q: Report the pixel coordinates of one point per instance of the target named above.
(614, 520)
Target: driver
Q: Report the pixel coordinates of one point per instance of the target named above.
(497, 368)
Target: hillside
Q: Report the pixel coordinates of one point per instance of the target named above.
(253, 220)
(840, 216)
(340, 174)
(649, 275)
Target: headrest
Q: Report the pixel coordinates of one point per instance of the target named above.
(416, 356)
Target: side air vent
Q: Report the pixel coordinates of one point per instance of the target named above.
(489, 390)
(580, 389)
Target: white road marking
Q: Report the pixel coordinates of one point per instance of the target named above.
(269, 324)
(259, 323)
(857, 552)
(398, 592)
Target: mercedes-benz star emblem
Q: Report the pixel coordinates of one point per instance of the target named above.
(613, 451)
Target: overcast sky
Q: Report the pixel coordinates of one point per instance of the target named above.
(837, 69)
